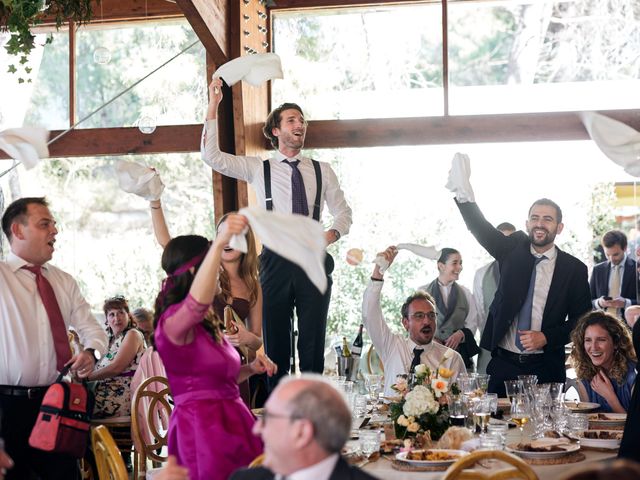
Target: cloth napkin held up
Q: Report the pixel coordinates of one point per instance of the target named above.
(458, 181)
(618, 141)
(143, 181)
(297, 238)
(27, 145)
(430, 252)
(253, 69)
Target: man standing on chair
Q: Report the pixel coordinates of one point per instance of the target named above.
(614, 282)
(541, 294)
(289, 183)
(38, 303)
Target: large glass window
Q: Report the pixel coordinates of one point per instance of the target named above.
(543, 55)
(361, 63)
(176, 94)
(106, 238)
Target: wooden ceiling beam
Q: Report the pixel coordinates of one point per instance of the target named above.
(210, 20)
(519, 127)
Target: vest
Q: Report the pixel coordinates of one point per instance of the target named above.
(452, 318)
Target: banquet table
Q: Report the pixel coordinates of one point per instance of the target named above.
(383, 469)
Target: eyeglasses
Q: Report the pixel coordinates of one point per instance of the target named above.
(267, 414)
(423, 315)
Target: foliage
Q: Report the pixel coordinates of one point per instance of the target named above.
(18, 16)
(601, 216)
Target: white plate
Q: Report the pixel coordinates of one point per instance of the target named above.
(402, 456)
(582, 406)
(610, 443)
(611, 420)
(567, 449)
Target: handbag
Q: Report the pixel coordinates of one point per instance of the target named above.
(65, 418)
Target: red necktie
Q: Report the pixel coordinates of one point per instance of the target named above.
(58, 328)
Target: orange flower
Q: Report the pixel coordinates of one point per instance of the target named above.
(445, 372)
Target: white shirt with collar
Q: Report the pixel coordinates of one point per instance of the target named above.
(27, 352)
(544, 275)
(320, 471)
(251, 170)
(395, 350)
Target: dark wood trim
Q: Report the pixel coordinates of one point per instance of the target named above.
(316, 4)
(445, 56)
(210, 20)
(122, 141)
(455, 129)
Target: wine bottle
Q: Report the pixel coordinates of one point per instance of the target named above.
(345, 348)
(356, 346)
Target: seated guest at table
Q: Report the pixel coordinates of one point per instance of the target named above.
(144, 322)
(210, 427)
(605, 361)
(114, 370)
(457, 313)
(305, 424)
(631, 437)
(398, 353)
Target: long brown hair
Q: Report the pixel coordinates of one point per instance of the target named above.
(248, 269)
(623, 351)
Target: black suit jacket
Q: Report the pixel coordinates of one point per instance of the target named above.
(568, 297)
(342, 471)
(599, 282)
(631, 437)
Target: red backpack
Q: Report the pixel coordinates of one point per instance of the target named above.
(65, 418)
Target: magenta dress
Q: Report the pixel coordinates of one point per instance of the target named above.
(210, 427)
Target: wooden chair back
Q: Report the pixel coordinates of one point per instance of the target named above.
(521, 469)
(109, 461)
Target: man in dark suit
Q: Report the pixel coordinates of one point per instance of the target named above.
(541, 294)
(613, 283)
(305, 424)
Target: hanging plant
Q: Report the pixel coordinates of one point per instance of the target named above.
(18, 16)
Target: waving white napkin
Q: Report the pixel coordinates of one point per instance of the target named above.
(143, 181)
(254, 69)
(297, 238)
(459, 175)
(618, 141)
(27, 145)
(430, 252)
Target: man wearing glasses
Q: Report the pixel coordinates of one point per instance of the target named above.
(398, 353)
(305, 424)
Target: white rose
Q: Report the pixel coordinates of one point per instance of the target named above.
(413, 427)
(420, 369)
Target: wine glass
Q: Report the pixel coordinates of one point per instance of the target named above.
(513, 388)
(482, 413)
(374, 386)
(521, 412)
(482, 379)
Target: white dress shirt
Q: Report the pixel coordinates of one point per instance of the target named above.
(544, 275)
(27, 352)
(320, 471)
(396, 351)
(251, 170)
(619, 269)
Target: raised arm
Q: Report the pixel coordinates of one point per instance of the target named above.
(158, 220)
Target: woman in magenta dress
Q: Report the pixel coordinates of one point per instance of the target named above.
(210, 427)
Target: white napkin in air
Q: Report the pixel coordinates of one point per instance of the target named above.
(297, 238)
(618, 141)
(458, 181)
(139, 179)
(27, 145)
(253, 69)
(429, 252)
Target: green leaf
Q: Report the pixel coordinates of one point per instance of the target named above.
(12, 69)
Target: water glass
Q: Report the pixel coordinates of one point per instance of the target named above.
(374, 386)
(556, 390)
(468, 384)
(359, 405)
(491, 441)
(577, 422)
(482, 379)
(513, 388)
(457, 416)
(493, 398)
(369, 441)
(501, 429)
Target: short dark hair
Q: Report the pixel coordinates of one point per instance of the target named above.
(506, 226)
(419, 295)
(549, 203)
(274, 119)
(17, 212)
(614, 237)
(445, 253)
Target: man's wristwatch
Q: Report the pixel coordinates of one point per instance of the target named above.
(336, 233)
(94, 353)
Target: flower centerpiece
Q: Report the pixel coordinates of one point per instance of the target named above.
(423, 403)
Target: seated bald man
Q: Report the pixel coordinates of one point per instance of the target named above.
(306, 423)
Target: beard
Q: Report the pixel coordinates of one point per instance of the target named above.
(548, 238)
